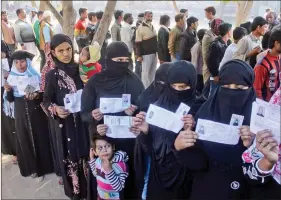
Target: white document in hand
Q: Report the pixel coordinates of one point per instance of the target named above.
(72, 102)
(115, 105)
(265, 116)
(5, 64)
(118, 126)
(217, 132)
(163, 118)
(182, 110)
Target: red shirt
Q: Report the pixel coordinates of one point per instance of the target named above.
(267, 76)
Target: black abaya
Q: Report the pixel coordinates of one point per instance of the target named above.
(33, 150)
(114, 81)
(224, 177)
(169, 178)
(8, 132)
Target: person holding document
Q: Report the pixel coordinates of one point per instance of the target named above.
(112, 83)
(168, 177)
(150, 95)
(32, 145)
(69, 134)
(223, 179)
(266, 162)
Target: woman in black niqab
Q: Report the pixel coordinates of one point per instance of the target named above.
(169, 178)
(116, 79)
(70, 137)
(235, 95)
(153, 92)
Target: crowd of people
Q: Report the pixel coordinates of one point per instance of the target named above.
(217, 72)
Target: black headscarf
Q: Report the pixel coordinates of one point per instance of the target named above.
(225, 102)
(169, 172)
(71, 68)
(179, 72)
(117, 78)
(153, 92)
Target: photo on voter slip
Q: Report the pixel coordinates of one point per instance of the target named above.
(265, 116)
(217, 132)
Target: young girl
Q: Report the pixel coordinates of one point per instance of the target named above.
(88, 62)
(109, 168)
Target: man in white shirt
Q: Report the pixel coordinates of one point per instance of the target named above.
(127, 33)
(34, 17)
(238, 34)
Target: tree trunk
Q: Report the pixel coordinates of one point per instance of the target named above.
(105, 22)
(33, 4)
(55, 12)
(176, 7)
(243, 11)
(69, 18)
(43, 5)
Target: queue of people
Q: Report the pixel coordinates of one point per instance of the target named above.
(134, 159)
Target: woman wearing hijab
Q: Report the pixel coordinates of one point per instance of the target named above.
(33, 150)
(116, 79)
(8, 132)
(150, 95)
(153, 92)
(168, 178)
(223, 179)
(69, 135)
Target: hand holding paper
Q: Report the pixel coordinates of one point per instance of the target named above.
(102, 129)
(115, 105)
(163, 118)
(140, 123)
(97, 115)
(246, 136)
(185, 139)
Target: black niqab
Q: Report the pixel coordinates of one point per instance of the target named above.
(153, 92)
(225, 102)
(71, 68)
(179, 72)
(168, 171)
(117, 75)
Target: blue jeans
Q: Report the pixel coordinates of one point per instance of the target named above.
(213, 87)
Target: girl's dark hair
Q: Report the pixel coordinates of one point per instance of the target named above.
(164, 19)
(99, 137)
(275, 36)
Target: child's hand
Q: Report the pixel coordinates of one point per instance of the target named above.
(106, 165)
(92, 154)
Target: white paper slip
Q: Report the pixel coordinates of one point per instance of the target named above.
(117, 120)
(163, 118)
(236, 120)
(72, 102)
(119, 132)
(115, 105)
(265, 116)
(182, 110)
(5, 64)
(217, 132)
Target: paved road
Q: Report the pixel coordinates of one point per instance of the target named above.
(14, 186)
